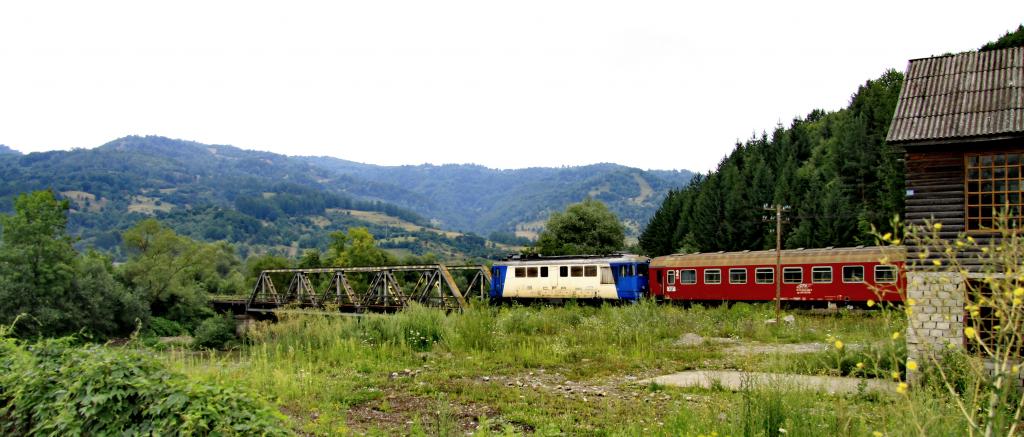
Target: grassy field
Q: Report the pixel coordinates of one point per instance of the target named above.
(571, 370)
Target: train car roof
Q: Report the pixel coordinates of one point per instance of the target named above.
(570, 260)
(827, 255)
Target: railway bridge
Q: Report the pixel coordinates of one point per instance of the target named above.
(360, 289)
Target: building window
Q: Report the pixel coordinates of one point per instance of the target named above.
(792, 275)
(994, 186)
(764, 275)
(821, 275)
(853, 274)
(712, 276)
(885, 274)
(737, 276)
(688, 277)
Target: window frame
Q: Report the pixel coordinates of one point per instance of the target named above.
(863, 273)
(693, 271)
(770, 270)
(670, 277)
(589, 271)
(714, 271)
(738, 269)
(787, 281)
(519, 272)
(814, 280)
(980, 216)
(895, 273)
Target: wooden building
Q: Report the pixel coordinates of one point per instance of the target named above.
(960, 122)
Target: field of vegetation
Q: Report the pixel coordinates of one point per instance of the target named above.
(573, 370)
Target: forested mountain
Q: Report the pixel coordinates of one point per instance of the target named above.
(832, 168)
(4, 150)
(486, 200)
(270, 202)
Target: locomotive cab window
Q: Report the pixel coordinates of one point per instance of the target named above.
(688, 277)
(737, 276)
(885, 274)
(577, 271)
(641, 270)
(606, 275)
(853, 274)
(671, 277)
(764, 275)
(590, 271)
(563, 271)
(520, 272)
(712, 276)
(821, 275)
(792, 275)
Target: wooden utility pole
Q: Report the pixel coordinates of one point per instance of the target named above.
(779, 209)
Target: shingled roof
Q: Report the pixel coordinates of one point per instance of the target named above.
(968, 95)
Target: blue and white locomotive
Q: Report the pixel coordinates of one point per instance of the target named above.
(570, 277)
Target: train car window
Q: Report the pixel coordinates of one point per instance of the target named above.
(606, 275)
(531, 272)
(577, 271)
(764, 275)
(520, 272)
(641, 270)
(821, 275)
(563, 271)
(737, 276)
(688, 276)
(853, 273)
(590, 271)
(712, 276)
(544, 272)
(671, 277)
(885, 274)
(792, 275)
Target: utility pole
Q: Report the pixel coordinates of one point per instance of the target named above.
(778, 209)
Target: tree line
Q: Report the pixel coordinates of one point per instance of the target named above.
(833, 169)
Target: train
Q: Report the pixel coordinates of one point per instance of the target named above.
(846, 275)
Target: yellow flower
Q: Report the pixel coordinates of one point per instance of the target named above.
(969, 331)
(901, 388)
(970, 239)
(937, 226)
(937, 262)
(877, 434)
(839, 344)
(1015, 369)
(896, 241)
(1016, 301)
(911, 301)
(911, 365)
(887, 236)
(1019, 291)
(860, 365)
(895, 335)
(910, 311)
(895, 375)
(871, 303)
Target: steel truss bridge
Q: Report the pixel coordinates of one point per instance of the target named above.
(362, 289)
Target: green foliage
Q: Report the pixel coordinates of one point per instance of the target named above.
(1010, 39)
(54, 388)
(834, 169)
(174, 274)
(585, 228)
(215, 332)
(161, 327)
(356, 248)
(43, 277)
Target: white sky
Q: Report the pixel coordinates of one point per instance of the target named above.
(650, 84)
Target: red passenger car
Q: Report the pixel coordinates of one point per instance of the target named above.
(852, 274)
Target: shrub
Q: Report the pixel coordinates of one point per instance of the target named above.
(215, 332)
(52, 387)
(161, 327)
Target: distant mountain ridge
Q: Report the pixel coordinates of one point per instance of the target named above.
(263, 199)
(4, 150)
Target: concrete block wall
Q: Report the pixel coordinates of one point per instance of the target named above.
(937, 316)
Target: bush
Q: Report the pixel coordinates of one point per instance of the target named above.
(215, 332)
(52, 387)
(161, 327)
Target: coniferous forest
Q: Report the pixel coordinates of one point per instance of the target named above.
(833, 169)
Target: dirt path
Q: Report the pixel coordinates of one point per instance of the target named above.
(736, 380)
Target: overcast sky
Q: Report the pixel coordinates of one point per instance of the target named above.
(650, 84)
